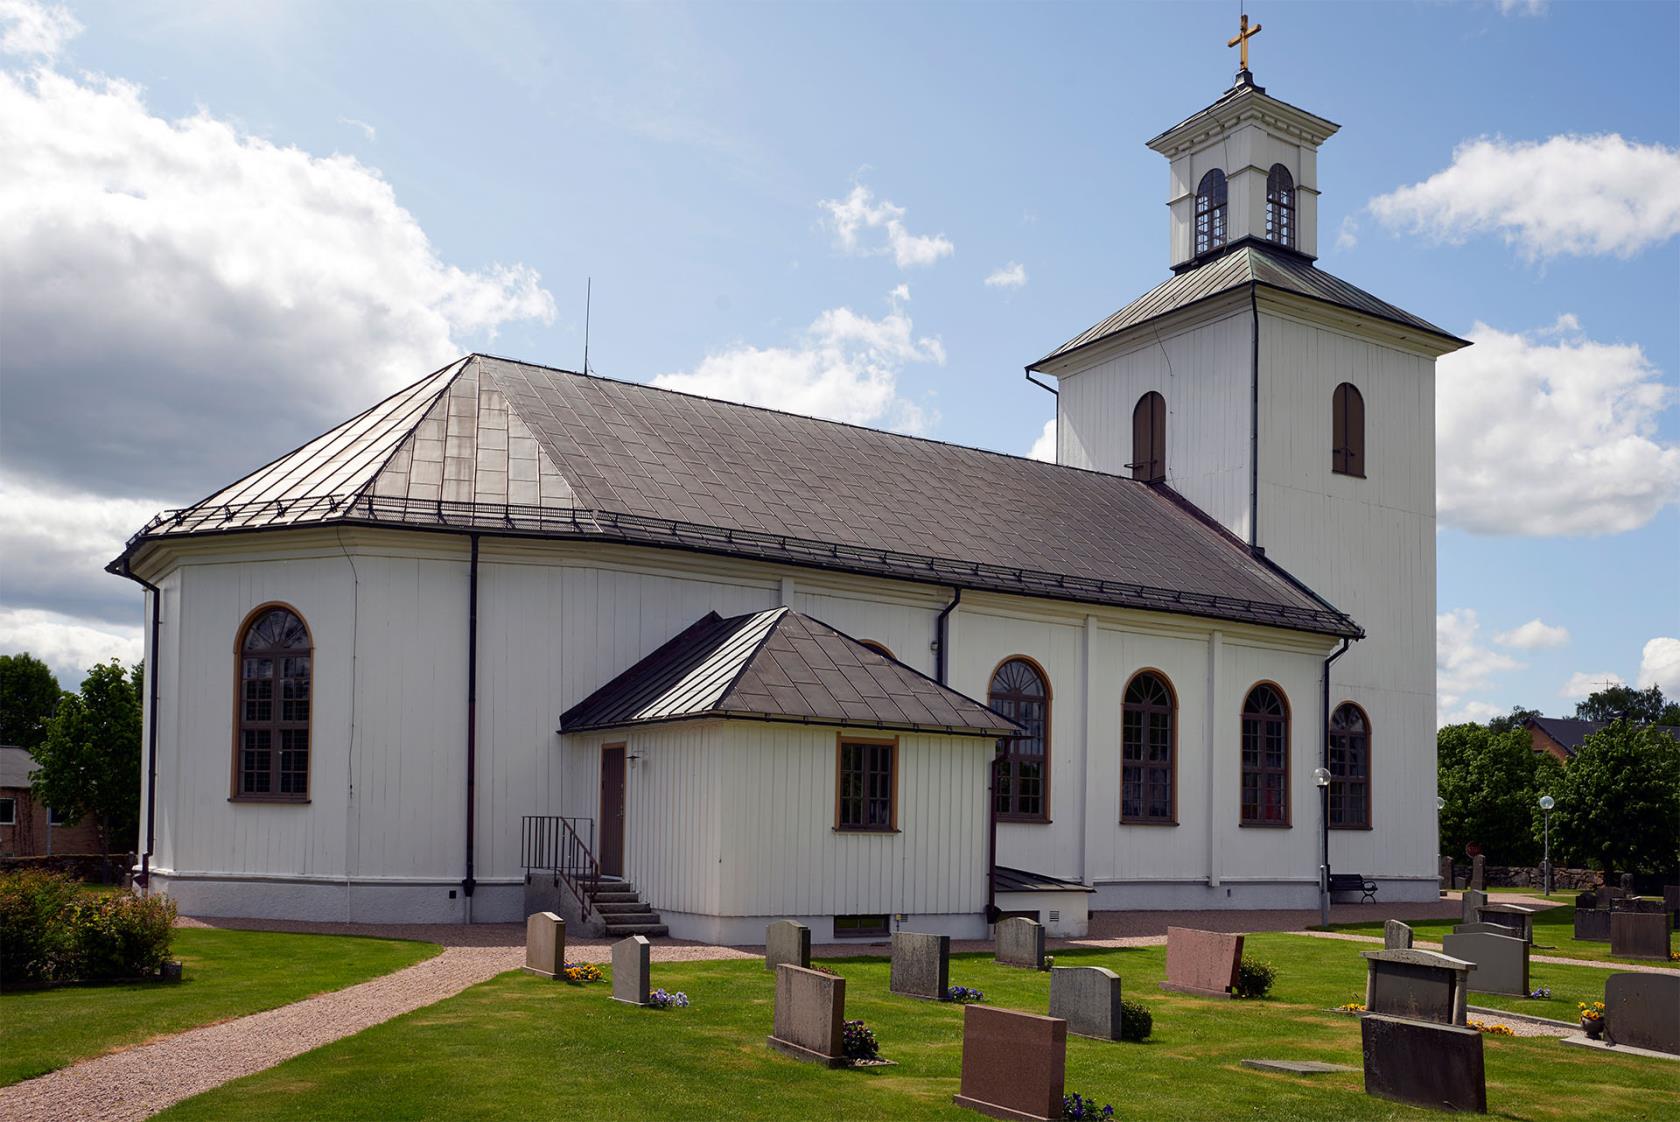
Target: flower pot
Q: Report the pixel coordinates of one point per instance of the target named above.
(1593, 1027)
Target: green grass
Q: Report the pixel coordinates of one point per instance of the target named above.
(519, 1046)
(227, 974)
(1554, 934)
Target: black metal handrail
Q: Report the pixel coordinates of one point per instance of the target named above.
(565, 849)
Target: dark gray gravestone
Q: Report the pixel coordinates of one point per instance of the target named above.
(630, 970)
(1518, 919)
(1501, 961)
(810, 1014)
(787, 941)
(1447, 872)
(1627, 884)
(1592, 926)
(1643, 1011)
(1297, 1067)
(1424, 1064)
(1586, 901)
(1472, 900)
(1088, 999)
(1478, 870)
(1639, 935)
(1417, 984)
(1484, 928)
(1671, 903)
(1396, 936)
(921, 965)
(1020, 942)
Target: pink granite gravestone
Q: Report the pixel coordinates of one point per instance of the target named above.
(1202, 962)
(1013, 1064)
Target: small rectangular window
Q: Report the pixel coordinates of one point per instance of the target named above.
(860, 927)
(8, 812)
(57, 817)
(867, 786)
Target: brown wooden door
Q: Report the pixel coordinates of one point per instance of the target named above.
(612, 811)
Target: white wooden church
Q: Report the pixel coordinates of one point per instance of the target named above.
(519, 634)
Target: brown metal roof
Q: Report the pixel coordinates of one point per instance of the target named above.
(497, 446)
(779, 665)
(1244, 264)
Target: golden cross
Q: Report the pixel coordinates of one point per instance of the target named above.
(1243, 36)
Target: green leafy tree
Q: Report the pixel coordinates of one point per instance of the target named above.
(89, 763)
(1487, 781)
(1618, 801)
(28, 698)
(1513, 719)
(1642, 707)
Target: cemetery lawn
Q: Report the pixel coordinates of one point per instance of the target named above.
(521, 1046)
(227, 974)
(1554, 934)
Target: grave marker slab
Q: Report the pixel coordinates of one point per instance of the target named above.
(630, 970)
(1643, 1011)
(810, 1015)
(1592, 926)
(1483, 929)
(1396, 936)
(787, 941)
(1417, 984)
(1013, 1064)
(1088, 999)
(1202, 962)
(1478, 870)
(1446, 872)
(1671, 903)
(921, 965)
(1020, 942)
(1423, 1063)
(1472, 900)
(1518, 919)
(1639, 935)
(545, 944)
(1501, 960)
(1297, 1067)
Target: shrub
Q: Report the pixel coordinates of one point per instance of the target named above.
(121, 936)
(1135, 1021)
(51, 931)
(859, 1042)
(34, 937)
(1255, 978)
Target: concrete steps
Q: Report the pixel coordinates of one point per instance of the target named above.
(623, 913)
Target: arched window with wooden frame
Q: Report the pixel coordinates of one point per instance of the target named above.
(1280, 206)
(1265, 757)
(1210, 212)
(273, 665)
(1020, 690)
(1347, 431)
(1149, 438)
(1350, 768)
(1149, 751)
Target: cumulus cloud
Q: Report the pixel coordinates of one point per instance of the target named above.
(1044, 448)
(1549, 433)
(1464, 665)
(844, 366)
(1574, 195)
(1659, 665)
(1584, 682)
(56, 543)
(35, 30)
(1522, 7)
(69, 645)
(860, 211)
(1533, 636)
(1012, 275)
(1347, 236)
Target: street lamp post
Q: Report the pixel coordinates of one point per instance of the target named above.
(1440, 805)
(1321, 776)
(1546, 805)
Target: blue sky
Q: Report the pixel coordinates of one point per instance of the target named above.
(681, 156)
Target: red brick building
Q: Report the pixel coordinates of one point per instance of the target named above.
(28, 827)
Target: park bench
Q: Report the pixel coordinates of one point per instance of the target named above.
(1354, 882)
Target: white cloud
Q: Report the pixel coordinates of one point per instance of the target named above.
(1533, 636)
(1347, 236)
(1044, 448)
(56, 544)
(1583, 682)
(860, 211)
(1551, 433)
(1477, 712)
(1522, 7)
(362, 127)
(1463, 665)
(845, 367)
(68, 644)
(35, 30)
(1012, 275)
(1565, 195)
(1659, 665)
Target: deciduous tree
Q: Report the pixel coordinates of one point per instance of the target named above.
(1618, 801)
(1487, 781)
(28, 697)
(89, 763)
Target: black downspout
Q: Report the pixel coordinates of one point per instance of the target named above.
(941, 628)
(152, 673)
(469, 884)
(1254, 423)
(1324, 792)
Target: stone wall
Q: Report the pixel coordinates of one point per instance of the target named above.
(1520, 876)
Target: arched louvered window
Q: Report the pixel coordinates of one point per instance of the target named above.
(1280, 206)
(1149, 438)
(273, 665)
(1210, 212)
(1347, 431)
(1021, 692)
(1148, 752)
(1265, 757)
(1350, 768)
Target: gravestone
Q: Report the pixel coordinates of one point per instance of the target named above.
(630, 970)
(810, 1015)
(1013, 1064)
(787, 941)
(1586, 901)
(1447, 873)
(545, 944)
(1478, 870)
(1483, 928)
(1643, 1011)
(1417, 984)
(1501, 960)
(1297, 1067)
(1020, 942)
(1627, 884)
(1396, 936)
(1423, 1063)
(1592, 926)
(1639, 935)
(1202, 962)
(1518, 919)
(921, 965)
(1472, 900)
(1088, 999)
(1671, 904)
(1608, 898)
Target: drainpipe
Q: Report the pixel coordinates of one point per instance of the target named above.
(942, 632)
(1254, 422)
(152, 673)
(1324, 794)
(468, 884)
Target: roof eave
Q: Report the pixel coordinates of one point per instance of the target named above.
(990, 734)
